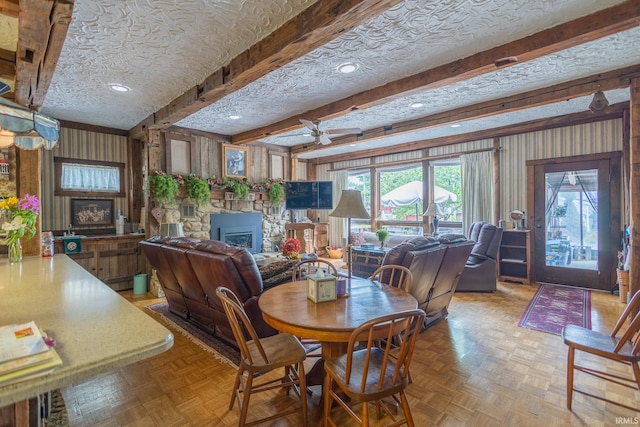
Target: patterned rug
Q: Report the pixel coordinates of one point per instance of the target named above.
(219, 349)
(554, 307)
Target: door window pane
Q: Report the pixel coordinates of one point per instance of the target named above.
(571, 219)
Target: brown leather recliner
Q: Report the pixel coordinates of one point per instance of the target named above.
(190, 270)
(480, 273)
(436, 265)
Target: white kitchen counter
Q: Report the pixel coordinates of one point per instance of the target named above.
(96, 329)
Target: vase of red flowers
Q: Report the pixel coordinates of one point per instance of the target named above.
(291, 248)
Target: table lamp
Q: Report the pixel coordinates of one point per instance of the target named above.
(433, 210)
(172, 229)
(350, 206)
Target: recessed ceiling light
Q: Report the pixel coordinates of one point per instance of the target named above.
(417, 105)
(347, 67)
(119, 87)
(455, 125)
(234, 117)
(352, 145)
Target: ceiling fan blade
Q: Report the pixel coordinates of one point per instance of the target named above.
(308, 124)
(345, 131)
(324, 139)
(293, 134)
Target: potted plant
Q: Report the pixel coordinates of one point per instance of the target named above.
(239, 187)
(275, 188)
(383, 236)
(198, 189)
(164, 187)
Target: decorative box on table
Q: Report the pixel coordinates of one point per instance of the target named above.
(321, 288)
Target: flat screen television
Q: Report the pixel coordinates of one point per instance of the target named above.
(308, 194)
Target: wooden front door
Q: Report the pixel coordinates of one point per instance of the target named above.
(576, 225)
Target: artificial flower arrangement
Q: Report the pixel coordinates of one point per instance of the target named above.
(21, 215)
(291, 248)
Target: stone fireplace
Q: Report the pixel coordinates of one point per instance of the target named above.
(199, 222)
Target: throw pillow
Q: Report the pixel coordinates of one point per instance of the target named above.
(357, 239)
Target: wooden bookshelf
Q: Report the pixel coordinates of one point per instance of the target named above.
(514, 262)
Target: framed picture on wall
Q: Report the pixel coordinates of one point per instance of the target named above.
(235, 161)
(85, 212)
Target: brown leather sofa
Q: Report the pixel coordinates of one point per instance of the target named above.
(190, 270)
(436, 266)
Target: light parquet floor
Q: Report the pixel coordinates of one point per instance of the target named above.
(477, 368)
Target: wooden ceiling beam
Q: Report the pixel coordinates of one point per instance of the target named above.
(7, 64)
(10, 8)
(43, 26)
(314, 27)
(561, 92)
(581, 30)
(613, 112)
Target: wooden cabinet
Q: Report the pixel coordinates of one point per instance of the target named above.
(514, 262)
(112, 259)
(313, 236)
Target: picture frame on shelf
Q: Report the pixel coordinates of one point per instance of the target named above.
(92, 212)
(235, 161)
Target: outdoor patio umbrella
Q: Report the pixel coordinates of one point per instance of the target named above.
(411, 194)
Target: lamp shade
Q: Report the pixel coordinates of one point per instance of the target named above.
(25, 128)
(172, 229)
(432, 210)
(350, 206)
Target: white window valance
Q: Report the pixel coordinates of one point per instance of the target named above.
(90, 177)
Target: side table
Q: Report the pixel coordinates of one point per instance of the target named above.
(365, 259)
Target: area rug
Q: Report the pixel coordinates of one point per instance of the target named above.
(219, 349)
(554, 307)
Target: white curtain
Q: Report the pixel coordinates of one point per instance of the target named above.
(477, 188)
(337, 226)
(88, 178)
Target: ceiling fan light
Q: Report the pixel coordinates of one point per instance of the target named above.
(347, 67)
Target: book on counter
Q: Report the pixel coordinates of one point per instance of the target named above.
(24, 353)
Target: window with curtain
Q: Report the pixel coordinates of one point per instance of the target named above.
(401, 193)
(74, 177)
(89, 178)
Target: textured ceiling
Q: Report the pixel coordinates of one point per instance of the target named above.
(163, 48)
(159, 49)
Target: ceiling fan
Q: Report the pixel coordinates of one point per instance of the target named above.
(322, 136)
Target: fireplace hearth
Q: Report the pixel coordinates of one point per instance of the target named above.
(238, 229)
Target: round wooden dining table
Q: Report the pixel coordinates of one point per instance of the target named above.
(287, 308)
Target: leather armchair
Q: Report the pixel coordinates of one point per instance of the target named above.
(480, 273)
(436, 265)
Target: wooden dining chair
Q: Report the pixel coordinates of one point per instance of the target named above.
(369, 374)
(393, 275)
(624, 349)
(261, 355)
(311, 266)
